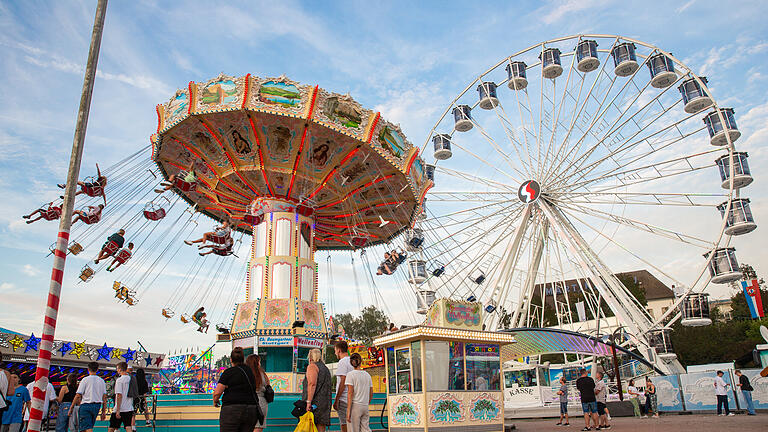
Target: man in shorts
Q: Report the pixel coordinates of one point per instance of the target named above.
(563, 394)
(91, 397)
(123, 412)
(601, 393)
(586, 386)
(341, 349)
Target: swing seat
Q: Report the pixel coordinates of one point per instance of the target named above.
(91, 219)
(218, 239)
(358, 241)
(123, 256)
(154, 214)
(252, 219)
(182, 185)
(222, 252)
(50, 212)
(86, 273)
(184, 318)
(167, 313)
(438, 271)
(75, 248)
(304, 210)
(92, 187)
(130, 301)
(110, 248)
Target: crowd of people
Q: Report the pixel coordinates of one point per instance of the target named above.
(79, 404)
(243, 393)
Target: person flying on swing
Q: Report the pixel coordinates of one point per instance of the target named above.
(97, 186)
(199, 318)
(220, 232)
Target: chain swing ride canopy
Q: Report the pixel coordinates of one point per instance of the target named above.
(250, 137)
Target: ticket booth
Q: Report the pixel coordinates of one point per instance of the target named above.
(445, 373)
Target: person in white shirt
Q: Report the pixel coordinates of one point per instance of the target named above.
(91, 397)
(359, 393)
(50, 394)
(634, 396)
(721, 391)
(123, 412)
(342, 369)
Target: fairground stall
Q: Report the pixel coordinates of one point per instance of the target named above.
(445, 373)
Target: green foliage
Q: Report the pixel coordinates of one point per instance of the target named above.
(718, 343)
(484, 404)
(371, 322)
(635, 288)
(223, 362)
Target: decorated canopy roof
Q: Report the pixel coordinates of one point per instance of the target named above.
(249, 137)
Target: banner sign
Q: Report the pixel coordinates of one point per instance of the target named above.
(307, 342)
(266, 341)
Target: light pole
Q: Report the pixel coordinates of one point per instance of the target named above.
(62, 239)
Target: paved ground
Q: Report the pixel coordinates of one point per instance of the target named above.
(674, 423)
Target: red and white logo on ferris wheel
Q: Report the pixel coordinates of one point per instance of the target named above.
(529, 191)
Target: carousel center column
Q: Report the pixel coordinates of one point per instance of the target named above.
(282, 262)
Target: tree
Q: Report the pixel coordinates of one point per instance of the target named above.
(635, 288)
(371, 322)
(739, 307)
(223, 362)
(716, 343)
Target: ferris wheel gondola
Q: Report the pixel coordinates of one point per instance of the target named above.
(584, 165)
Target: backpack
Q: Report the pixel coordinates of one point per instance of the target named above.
(133, 388)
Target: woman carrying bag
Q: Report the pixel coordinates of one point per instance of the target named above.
(263, 389)
(240, 410)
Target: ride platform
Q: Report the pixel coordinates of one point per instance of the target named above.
(183, 412)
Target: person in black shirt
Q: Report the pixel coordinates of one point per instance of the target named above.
(746, 391)
(240, 409)
(116, 238)
(586, 386)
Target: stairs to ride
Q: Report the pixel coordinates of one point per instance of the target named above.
(183, 412)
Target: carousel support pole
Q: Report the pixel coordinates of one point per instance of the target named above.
(60, 254)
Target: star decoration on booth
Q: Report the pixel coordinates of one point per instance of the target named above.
(148, 359)
(158, 361)
(116, 353)
(16, 342)
(33, 343)
(129, 355)
(65, 348)
(79, 349)
(104, 352)
(4, 340)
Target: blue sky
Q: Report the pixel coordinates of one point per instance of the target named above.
(405, 59)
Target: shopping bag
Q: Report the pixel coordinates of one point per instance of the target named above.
(306, 423)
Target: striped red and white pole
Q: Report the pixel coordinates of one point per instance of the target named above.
(62, 240)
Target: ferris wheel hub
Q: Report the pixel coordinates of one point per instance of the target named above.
(529, 191)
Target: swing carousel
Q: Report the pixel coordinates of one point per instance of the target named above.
(299, 169)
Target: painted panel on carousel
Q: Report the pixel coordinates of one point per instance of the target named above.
(405, 411)
(485, 407)
(245, 317)
(220, 93)
(324, 151)
(177, 108)
(455, 313)
(417, 173)
(279, 94)
(390, 139)
(281, 140)
(196, 139)
(281, 383)
(341, 112)
(312, 315)
(446, 408)
(234, 132)
(276, 313)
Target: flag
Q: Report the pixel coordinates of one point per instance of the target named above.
(754, 302)
(581, 311)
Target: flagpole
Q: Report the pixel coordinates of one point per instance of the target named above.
(62, 239)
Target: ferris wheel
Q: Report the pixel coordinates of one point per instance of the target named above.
(571, 160)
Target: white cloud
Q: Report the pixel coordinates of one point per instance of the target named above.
(30, 270)
(556, 10)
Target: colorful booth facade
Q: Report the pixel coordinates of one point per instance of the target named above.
(441, 378)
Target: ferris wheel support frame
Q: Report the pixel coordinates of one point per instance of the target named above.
(519, 320)
(609, 287)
